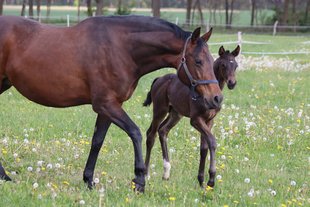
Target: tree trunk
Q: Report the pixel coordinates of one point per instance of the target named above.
(231, 12)
(285, 12)
(99, 7)
(188, 12)
(156, 8)
(1, 6)
(30, 12)
(307, 11)
(253, 8)
(88, 4)
(39, 9)
(22, 13)
(48, 9)
(200, 12)
(226, 14)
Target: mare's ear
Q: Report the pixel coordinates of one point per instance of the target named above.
(207, 36)
(221, 51)
(195, 35)
(236, 51)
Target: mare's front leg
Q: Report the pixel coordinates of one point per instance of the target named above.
(102, 125)
(203, 156)
(3, 175)
(172, 119)
(119, 117)
(205, 130)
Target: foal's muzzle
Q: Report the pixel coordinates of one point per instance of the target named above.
(231, 84)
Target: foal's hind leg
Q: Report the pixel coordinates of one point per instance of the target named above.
(172, 119)
(101, 128)
(158, 116)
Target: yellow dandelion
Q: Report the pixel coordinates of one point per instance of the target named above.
(66, 182)
(225, 206)
(4, 151)
(299, 203)
(127, 200)
(43, 168)
(289, 202)
(294, 200)
(104, 173)
(222, 166)
(17, 159)
(219, 181)
(133, 185)
(209, 188)
(54, 186)
(283, 205)
(171, 198)
(270, 181)
(236, 202)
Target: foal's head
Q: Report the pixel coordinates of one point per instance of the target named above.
(226, 65)
(196, 70)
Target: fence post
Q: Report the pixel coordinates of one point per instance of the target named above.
(207, 27)
(177, 20)
(68, 20)
(275, 28)
(240, 41)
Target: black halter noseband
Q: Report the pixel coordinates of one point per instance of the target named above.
(194, 83)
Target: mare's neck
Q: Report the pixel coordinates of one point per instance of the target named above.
(158, 51)
(218, 74)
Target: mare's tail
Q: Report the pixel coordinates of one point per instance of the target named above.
(148, 99)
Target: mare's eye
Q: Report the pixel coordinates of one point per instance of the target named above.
(198, 62)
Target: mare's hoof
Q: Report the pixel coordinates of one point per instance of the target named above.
(90, 184)
(137, 187)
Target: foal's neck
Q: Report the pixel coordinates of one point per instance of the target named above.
(218, 74)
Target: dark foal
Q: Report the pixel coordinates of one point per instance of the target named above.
(172, 97)
(99, 62)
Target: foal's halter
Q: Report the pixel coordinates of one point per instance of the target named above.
(194, 83)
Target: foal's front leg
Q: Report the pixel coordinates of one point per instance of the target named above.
(205, 130)
(3, 175)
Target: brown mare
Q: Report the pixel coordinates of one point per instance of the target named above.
(99, 62)
(172, 97)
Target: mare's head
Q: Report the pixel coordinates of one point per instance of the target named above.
(226, 66)
(196, 70)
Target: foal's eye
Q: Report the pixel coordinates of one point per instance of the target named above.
(198, 62)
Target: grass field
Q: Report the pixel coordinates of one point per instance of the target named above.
(263, 153)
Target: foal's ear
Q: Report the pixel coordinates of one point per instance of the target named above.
(221, 51)
(236, 51)
(207, 36)
(195, 35)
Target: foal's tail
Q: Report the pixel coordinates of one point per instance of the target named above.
(148, 100)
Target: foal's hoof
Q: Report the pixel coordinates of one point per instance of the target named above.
(5, 177)
(210, 184)
(137, 187)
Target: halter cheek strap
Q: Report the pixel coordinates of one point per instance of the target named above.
(194, 83)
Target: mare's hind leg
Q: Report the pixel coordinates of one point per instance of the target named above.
(172, 119)
(5, 85)
(101, 128)
(158, 117)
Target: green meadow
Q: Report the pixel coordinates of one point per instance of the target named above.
(262, 131)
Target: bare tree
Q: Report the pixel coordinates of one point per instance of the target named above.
(22, 13)
(30, 11)
(48, 9)
(156, 8)
(39, 9)
(285, 12)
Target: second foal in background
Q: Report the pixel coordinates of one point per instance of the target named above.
(172, 97)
